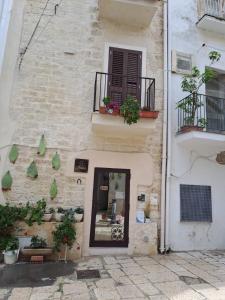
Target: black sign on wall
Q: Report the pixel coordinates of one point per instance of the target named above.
(81, 165)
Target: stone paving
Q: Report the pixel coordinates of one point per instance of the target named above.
(177, 276)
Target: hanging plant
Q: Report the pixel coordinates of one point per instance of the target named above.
(42, 146)
(32, 171)
(56, 161)
(7, 181)
(13, 154)
(53, 190)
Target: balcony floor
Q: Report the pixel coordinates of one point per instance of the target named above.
(204, 143)
(212, 24)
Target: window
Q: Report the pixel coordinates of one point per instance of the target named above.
(195, 203)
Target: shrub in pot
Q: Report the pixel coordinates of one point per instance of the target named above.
(38, 246)
(11, 250)
(59, 214)
(79, 214)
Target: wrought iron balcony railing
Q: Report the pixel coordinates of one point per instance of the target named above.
(119, 87)
(203, 112)
(214, 8)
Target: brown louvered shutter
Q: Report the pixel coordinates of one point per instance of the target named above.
(125, 72)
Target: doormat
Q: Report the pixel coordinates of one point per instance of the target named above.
(192, 280)
(88, 274)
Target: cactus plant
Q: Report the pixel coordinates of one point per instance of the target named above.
(53, 190)
(13, 154)
(7, 181)
(56, 161)
(32, 171)
(42, 146)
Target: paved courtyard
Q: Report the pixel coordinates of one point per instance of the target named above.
(177, 276)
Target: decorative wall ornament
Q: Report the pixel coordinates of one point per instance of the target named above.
(220, 158)
(56, 161)
(7, 181)
(32, 171)
(53, 190)
(13, 154)
(42, 146)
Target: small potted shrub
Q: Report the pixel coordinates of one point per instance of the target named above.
(130, 110)
(11, 251)
(79, 214)
(38, 246)
(147, 113)
(47, 215)
(103, 109)
(59, 214)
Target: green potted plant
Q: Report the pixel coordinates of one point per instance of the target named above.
(48, 215)
(147, 113)
(103, 109)
(59, 214)
(130, 110)
(65, 234)
(190, 105)
(79, 214)
(38, 246)
(11, 250)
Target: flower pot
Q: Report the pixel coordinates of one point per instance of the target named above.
(189, 128)
(102, 110)
(78, 217)
(39, 251)
(10, 257)
(47, 217)
(149, 114)
(58, 217)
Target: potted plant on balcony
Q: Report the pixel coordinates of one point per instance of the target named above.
(110, 107)
(130, 110)
(192, 103)
(147, 113)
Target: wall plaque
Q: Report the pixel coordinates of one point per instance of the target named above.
(81, 165)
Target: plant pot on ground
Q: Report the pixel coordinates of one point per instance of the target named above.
(11, 251)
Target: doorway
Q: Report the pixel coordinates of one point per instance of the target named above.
(110, 208)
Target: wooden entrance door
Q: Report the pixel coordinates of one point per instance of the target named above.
(110, 208)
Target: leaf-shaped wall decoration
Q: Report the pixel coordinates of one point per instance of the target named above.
(13, 154)
(56, 161)
(7, 181)
(53, 190)
(42, 146)
(32, 171)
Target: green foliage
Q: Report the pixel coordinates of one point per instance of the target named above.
(7, 181)
(191, 84)
(13, 154)
(56, 161)
(130, 110)
(53, 190)
(42, 146)
(106, 100)
(32, 171)
(64, 234)
(38, 242)
(79, 210)
(36, 212)
(12, 243)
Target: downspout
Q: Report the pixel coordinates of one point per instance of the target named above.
(165, 135)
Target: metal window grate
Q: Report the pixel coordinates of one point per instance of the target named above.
(195, 203)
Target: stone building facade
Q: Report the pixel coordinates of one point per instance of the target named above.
(61, 46)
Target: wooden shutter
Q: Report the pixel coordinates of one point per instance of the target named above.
(125, 72)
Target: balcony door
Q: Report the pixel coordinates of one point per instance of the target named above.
(110, 208)
(215, 103)
(125, 68)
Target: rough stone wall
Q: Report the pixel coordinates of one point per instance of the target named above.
(53, 93)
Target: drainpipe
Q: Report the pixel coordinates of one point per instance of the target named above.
(165, 136)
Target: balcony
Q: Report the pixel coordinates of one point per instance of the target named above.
(211, 15)
(128, 12)
(201, 123)
(108, 120)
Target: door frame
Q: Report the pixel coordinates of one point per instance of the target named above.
(125, 241)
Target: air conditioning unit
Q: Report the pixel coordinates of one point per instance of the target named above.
(182, 63)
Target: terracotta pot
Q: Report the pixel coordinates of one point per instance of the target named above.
(189, 128)
(149, 114)
(102, 110)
